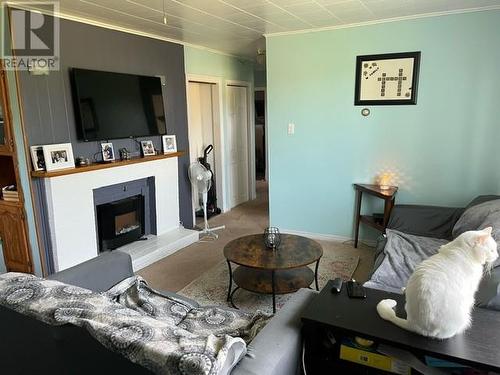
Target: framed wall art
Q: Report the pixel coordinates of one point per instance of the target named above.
(387, 79)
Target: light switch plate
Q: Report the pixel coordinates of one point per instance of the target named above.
(291, 128)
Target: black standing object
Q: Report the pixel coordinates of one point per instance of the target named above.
(212, 208)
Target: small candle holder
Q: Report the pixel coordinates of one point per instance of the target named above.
(385, 180)
(272, 237)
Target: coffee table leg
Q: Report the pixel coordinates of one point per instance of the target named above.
(274, 294)
(316, 275)
(231, 298)
(230, 281)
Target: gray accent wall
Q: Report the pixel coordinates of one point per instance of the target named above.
(47, 101)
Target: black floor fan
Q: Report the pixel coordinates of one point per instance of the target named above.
(212, 208)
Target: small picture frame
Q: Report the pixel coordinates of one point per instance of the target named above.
(59, 156)
(37, 158)
(108, 153)
(148, 149)
(169, 144)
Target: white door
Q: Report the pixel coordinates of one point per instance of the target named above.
(238, 144)
(201, 126)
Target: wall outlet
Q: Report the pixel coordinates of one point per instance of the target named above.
(291, 129)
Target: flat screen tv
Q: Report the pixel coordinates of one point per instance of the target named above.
(116, 105)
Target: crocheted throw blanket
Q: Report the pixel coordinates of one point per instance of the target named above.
(163, 334)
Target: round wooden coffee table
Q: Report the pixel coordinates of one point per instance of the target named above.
(266, 271)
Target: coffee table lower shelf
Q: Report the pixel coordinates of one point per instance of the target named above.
(285, 281)
(282, 281)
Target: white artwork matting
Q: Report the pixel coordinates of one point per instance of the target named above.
(386, 79)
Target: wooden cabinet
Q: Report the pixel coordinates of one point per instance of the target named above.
(14, 238)
(13, 228)
(6, 141)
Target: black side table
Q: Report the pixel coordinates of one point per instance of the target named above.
(339, 316)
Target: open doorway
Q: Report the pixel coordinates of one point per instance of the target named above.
(204, 132)
(221, 113)
(260, 134)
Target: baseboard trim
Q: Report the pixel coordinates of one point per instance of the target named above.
(327, 237)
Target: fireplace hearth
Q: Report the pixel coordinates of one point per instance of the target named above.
(120, 222)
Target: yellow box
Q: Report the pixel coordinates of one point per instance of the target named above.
(375, 360)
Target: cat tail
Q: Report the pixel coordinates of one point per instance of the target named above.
(385, 309)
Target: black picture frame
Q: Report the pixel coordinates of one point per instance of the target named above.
(412, 100)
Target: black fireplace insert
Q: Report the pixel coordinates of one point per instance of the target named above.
(120, 222)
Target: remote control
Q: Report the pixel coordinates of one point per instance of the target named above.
(355, 290)
(337, 285)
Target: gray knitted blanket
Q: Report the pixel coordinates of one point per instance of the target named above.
(162, 334)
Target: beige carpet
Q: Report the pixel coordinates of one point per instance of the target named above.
(180, 269)
(211, 287)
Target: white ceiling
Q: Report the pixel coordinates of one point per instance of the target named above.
(236, 26)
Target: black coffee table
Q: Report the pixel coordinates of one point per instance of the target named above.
(478, 347)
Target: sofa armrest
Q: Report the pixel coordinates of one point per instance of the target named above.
(276, 350)
(427, 221)
(379, 253)
(99, 273)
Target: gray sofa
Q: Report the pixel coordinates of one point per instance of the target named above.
(29, 346)
(418, 231)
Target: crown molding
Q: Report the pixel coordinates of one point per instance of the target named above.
(109, 26)
(385, 20)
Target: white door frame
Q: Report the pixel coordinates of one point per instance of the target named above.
(250, 133)
(219, 142)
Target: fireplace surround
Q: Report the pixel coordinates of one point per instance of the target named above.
(68, 210)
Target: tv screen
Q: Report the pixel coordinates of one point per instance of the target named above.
(116, 105)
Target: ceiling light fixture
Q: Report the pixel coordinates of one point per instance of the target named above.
(164, 14)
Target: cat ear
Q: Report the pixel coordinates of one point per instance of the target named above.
(485, 234)
(488, 230)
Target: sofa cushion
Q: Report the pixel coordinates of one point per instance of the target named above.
(426, 221)
(402, 253)
(480, 216)
(481, 199)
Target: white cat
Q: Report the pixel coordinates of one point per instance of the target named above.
(440, 293)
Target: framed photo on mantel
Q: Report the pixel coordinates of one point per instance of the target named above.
(387, 79)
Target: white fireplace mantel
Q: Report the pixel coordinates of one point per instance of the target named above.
(71, 212)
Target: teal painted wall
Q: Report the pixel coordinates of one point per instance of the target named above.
(203, 62)
(260, 79)
(444, 150)
(2, 264)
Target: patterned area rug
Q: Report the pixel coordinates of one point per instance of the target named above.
(211, 287)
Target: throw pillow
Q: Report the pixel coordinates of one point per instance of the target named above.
(477, 217)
